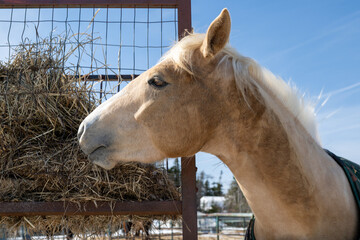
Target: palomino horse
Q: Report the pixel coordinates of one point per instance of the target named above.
(204, 96)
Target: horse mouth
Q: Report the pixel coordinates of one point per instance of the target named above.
(100, 157)
(96, 152)
(97, 149)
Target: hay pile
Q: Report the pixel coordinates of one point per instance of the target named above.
(41, 107)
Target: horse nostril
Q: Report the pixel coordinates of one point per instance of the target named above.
(80, 131)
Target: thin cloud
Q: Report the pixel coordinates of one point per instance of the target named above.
(341, 129)
(329, 115)
(342, 90)
(329, 95)
(347, 25)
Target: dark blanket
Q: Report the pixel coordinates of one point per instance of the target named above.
(352, 172)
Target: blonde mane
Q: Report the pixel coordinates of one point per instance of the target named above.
(249, 74)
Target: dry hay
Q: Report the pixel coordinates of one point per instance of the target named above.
(41, 107)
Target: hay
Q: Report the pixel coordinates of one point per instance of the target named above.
(41, 106)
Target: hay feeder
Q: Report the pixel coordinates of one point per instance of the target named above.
(47, 184)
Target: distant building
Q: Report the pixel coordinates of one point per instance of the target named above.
(207, 202)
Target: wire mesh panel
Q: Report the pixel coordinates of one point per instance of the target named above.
(57, 63)
(106, 43)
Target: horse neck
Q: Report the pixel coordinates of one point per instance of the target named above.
(278, 165)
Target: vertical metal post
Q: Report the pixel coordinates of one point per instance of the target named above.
(159, 230)
(172, 230)
(217, 228)
(188, 168)
(184, 17)
(109, 232)
(188, 192)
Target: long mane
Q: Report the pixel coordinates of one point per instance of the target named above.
(248, 74)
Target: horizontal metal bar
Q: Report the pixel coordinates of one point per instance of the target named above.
(90, 208)
(237, 215)
(87, 21)
(89, 3)
(124, 77)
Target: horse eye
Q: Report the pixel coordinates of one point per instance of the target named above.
(157, 82)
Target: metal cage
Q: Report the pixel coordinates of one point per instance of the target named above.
(181, 23)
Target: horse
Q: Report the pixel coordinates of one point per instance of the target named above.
(203, 95)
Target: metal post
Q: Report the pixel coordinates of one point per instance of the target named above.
(109, 232)
(188, 190)
(172, 230)
(159, 230)
(188, 168)
(184, 17)
(217, 228)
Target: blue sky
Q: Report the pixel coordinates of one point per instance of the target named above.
(313, 44)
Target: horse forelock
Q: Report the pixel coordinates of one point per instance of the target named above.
(249, 75)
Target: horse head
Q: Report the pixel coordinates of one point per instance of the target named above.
(170, 110)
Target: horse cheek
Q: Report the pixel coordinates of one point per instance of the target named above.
(185, 135)
(141, 115)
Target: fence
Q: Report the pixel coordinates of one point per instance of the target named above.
(113, 46)
(230, 225)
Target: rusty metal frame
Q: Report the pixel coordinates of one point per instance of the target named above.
(89, 208)
(186, 207)
(188, 192)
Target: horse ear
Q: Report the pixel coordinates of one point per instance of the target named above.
(217, 34)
